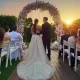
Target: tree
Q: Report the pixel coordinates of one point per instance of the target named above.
(53, 34)
(27, 31)
(6, 20)
(76, 24)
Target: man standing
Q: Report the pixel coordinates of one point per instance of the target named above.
(46, 31)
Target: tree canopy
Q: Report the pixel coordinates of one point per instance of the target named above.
(6, 20)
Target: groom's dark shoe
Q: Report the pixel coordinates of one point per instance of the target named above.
(49, 57)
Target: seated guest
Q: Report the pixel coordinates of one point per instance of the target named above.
(7, 30)
(71, 41)
(78, 37)
(65, 36)
(17, 36)
(78, 40)
(3, 37)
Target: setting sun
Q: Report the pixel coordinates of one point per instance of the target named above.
(68, 22)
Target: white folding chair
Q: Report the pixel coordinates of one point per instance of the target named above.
(65, 43)
(71, 46)
(14, 47)
(76, 56)
(17, 48)
(5, 45)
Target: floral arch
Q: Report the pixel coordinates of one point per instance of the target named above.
(38, 5)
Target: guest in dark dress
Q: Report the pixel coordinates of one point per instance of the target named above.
(78, 40)
(71, 41)
(65, 36)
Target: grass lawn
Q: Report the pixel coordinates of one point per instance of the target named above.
(27, 43)
(6, 72)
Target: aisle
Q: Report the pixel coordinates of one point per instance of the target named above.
(63, 71)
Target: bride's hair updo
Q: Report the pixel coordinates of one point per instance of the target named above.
(34, 26)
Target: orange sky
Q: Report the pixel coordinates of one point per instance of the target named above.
(69, 9)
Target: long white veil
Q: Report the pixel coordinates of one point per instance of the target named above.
(35, 64)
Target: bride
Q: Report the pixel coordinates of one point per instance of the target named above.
(35, 64)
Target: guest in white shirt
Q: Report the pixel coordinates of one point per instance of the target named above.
(17, 36)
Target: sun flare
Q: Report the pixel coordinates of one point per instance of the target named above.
(68, 22)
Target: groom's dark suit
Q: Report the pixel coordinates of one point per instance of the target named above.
(46, 28)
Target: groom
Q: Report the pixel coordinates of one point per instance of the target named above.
(46, 28)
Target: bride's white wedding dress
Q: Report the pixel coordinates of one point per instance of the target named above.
(35, 65)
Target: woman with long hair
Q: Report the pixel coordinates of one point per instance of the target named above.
(2, 33)
(3, 37)
(35, 29)
(35, 64)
